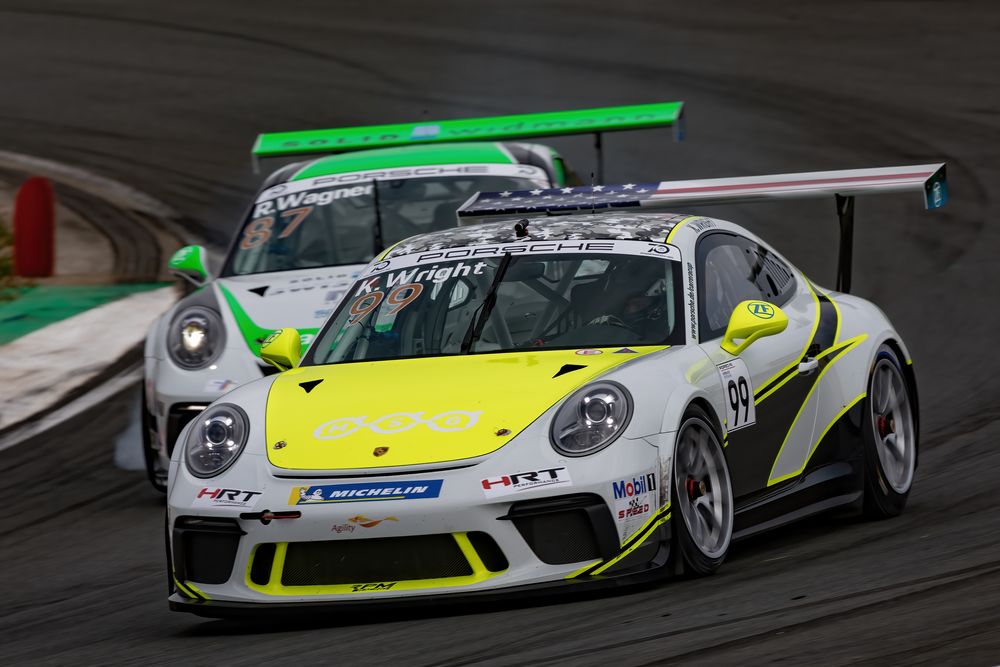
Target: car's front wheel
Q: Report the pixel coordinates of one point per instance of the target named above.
(703, 496)
(890, 438)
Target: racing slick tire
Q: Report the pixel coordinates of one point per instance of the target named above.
(154, 470)
(703, 493)
(889, 438)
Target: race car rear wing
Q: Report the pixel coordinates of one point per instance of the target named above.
(843, 185)
(522, 126)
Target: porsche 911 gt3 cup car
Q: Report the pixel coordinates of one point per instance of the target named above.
(549, 402)
(315, 224)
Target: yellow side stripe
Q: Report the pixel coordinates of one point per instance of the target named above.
(836, 418)
(805, 351)
(389, 249)
(840, 320)
(851, 344)
(197, 590)
(670, 236)
(577, 573)
(634, 540)
(188, 590)
(781, 384)
(635, 545)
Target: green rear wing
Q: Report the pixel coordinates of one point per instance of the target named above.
(493, 128)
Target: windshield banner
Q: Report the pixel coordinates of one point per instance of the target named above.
(356, 179)
(526, 248)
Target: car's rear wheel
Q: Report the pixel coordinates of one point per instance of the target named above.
(703, 497)
(890, 438)
(155, 471)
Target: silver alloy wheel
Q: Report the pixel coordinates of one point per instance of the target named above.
(704, 493)
(892, 425)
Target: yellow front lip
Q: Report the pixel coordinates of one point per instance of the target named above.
(403, 412)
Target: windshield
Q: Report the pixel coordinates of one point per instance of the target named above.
(338, 220)
(405, 307)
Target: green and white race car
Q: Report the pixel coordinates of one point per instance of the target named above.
(316, 223)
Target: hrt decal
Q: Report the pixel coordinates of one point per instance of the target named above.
(522, 481)
(226, 497)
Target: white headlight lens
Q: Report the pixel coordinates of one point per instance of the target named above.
(591, 419)
(196, 337)
(216, 438)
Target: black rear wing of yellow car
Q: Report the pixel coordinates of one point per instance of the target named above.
(594, 121)
(843, 185)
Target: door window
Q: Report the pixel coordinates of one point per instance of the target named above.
(729, 271)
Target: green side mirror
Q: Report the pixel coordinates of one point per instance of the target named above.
(752, 320)
(282, 349)
(189, 264)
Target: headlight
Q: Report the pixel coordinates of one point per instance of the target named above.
(591, 419)
(216, 438)
(196, 337)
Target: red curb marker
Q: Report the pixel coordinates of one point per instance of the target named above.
(34, 229)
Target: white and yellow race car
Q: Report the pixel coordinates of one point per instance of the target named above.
(549, 402)
(316, 223)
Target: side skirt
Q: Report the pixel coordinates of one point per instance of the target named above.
(833, 478)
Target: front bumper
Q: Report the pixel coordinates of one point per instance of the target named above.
(566, 537)
(655, 570)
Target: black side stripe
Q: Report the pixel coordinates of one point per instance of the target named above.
(752, 451)
(774, 381)
(828, 321)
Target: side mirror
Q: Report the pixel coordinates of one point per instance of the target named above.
(189, 264)
(752, 320)
(282, 349)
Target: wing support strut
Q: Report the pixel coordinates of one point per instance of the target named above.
(845, 212)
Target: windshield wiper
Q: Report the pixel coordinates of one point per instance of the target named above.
(379, 244)
(482, 314)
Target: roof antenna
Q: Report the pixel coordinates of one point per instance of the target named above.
(521, 228)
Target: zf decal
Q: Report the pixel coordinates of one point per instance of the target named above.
(737, 394)
(764, 311)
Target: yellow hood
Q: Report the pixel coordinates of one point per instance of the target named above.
(416, 411)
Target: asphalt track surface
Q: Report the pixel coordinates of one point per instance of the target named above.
(168, 99)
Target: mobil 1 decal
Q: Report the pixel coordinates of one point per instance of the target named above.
(634, 502)
(737, 394)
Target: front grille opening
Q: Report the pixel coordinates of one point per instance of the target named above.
(489, 552)
(560, 538)
(263, 559)
(373, 560)
(205, 549)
